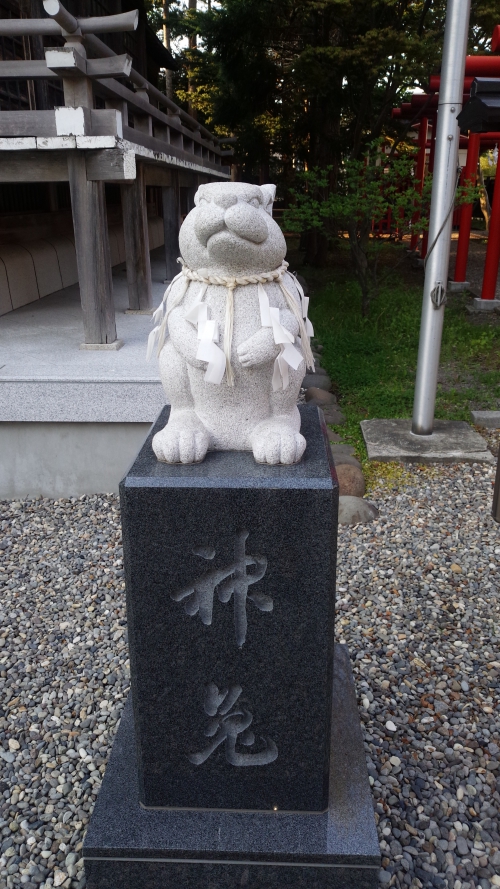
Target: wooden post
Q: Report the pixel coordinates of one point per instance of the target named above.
(135, 230)
(90, 222)
(170, 199)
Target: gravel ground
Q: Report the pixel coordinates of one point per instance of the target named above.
(64, 678)
(418, 606)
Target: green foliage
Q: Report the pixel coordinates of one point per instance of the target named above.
(310, 82)
(154, 12)
(373, 360)
(365, 192)
(488, 164)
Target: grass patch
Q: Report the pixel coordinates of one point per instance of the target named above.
(392, 476)
(372, 361)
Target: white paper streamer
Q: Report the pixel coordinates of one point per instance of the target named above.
(304, 301)
(289, 356)
(208, 330)
(265, 315)
(208, 350)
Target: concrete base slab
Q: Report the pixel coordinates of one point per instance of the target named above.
(487, 419)
(66, 459)
(102, 347)
(457, 286)
(485, 305)
(453, 441)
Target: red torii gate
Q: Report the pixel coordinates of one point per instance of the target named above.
(475, 66)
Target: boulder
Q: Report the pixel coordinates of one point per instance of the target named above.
(351, 480)
(346, 459)
(333, 415)
(317, 380)
(353, 510)
(341, 450)
(319, 396)
(333, 436)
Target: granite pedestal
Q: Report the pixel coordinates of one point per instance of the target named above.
(243, 763)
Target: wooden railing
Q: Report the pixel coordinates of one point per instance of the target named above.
(127, 95)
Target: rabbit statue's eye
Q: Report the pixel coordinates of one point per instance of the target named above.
(254, 202)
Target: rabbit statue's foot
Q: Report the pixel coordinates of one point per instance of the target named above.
(277, 441)
(183, 440)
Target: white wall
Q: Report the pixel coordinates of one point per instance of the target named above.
(66, 459)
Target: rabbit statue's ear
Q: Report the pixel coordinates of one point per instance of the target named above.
(198, 195)
(268, 195)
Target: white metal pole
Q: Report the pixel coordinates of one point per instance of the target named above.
(441, 213)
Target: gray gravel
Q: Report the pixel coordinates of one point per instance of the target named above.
(64, 678)
(418, 606)
(420, 609)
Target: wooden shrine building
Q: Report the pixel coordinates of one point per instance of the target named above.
(92, 154)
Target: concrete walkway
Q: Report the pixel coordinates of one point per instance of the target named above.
(71, 420)
(41, 341)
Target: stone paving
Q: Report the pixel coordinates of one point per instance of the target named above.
(418, 605)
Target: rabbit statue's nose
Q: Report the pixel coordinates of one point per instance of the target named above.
(225, 200)
(247, 222)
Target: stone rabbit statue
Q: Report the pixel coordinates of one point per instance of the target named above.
(238, 333)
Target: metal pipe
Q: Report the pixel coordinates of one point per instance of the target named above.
(470, 174)
(441, 214)
(493, 247)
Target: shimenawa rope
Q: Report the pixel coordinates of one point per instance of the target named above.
(158, 335)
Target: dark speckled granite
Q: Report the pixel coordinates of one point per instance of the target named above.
(174, 519)
(129, 847)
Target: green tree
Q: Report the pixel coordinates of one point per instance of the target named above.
(308, 82)
(367, 192)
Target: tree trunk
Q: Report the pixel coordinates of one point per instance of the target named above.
(359, 259)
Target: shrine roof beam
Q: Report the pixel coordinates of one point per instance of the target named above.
(53, 27)
(435, 82)
(483, 110)
(140, 82)
(421, 100)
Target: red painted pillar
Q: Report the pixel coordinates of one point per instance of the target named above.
(420, 172)
(425, 238)
(466, 209)
(493, 248)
